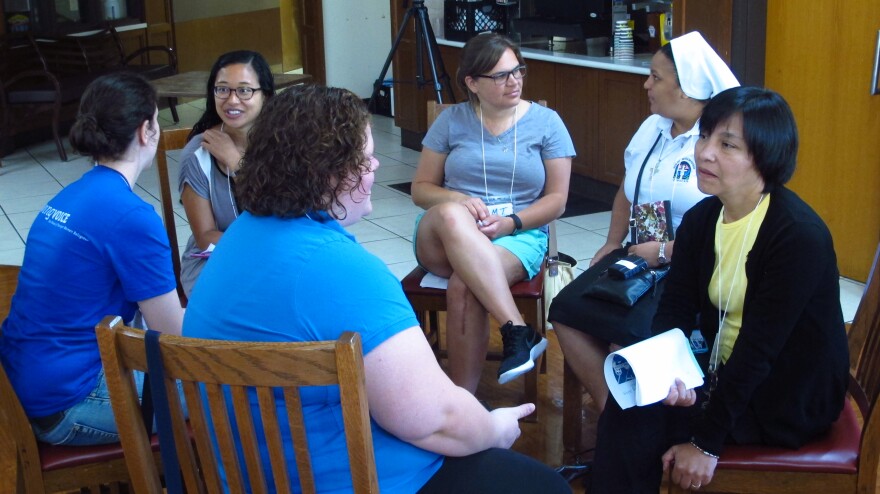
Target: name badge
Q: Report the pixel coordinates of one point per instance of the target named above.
(502, 209)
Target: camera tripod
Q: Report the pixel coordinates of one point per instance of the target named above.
(425, 42)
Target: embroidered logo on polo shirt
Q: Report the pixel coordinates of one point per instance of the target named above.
(683, 169)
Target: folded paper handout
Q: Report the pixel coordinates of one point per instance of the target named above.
(641, 374)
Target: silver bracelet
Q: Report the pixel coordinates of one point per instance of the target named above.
(701, 450)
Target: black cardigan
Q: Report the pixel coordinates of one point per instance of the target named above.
(789, 366)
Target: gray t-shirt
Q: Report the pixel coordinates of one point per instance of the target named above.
(195, 167)
(539, 135)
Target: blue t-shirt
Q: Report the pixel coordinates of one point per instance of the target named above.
(273, 279)
(95, 249)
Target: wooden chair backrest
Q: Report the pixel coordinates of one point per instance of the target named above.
(25, 456)
(170, 140)
(242, 368)
(8, 283)
(864, 346)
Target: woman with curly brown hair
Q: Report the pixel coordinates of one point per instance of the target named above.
(287, 270)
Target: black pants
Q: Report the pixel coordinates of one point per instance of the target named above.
(495, 470)
(607, 321)
(631, 442)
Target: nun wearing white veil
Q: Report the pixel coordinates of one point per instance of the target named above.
(661, 178)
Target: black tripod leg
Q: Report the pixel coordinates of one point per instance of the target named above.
(444, 75)
(377, 85)
(430, 44)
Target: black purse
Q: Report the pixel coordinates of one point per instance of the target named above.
(626, 281)
(629, 278)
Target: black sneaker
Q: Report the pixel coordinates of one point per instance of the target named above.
(522, 345)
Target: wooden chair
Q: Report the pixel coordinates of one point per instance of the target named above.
(170, 140)
(29, 466)
(845, 459)
(429, 302)
(262, 368)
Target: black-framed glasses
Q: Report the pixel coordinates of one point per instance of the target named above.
(501, 78)
(243, 93)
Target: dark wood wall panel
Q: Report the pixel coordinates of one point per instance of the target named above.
(200, 42)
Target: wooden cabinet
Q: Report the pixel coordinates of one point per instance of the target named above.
(576, 98)
(621, 107)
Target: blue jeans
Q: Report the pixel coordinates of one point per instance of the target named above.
(90, 421)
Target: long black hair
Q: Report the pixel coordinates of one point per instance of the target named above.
(264, 73)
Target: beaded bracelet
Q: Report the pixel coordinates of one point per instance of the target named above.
(701, 450)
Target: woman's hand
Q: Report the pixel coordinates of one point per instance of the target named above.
(649, 251)
(691, 468)
(506, 423)
(477, 208)
(220, 145)
(604, 251)
(496, 226)
(679, 395)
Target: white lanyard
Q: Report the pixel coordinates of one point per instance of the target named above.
(722, 316)
(483, 148)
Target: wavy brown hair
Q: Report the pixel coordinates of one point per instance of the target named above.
(303, 151)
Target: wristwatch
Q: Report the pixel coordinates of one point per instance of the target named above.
(661, 256)
(517, 223)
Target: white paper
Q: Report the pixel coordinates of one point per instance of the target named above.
(641, 374)
(434, 281)
(205, 253)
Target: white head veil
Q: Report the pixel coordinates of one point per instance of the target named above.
(701, 72)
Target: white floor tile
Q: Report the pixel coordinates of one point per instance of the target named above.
(401, 269)
(402, 225)
(590, 221)
(9, 240)
(12, 257)
(366, 231)
(580, 246)
(391, 251)
(11, 189)
(393, 206)
(394, 174)
(850, 295)
(24, 204)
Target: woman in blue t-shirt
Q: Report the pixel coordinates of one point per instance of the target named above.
(287, 270)
(95, 249)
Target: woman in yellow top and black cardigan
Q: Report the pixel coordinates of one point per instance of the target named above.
(755, 267)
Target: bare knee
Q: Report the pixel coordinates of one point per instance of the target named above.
(449, 218)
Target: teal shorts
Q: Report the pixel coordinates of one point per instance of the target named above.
(529, 246)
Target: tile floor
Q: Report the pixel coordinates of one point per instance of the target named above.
(30, 176)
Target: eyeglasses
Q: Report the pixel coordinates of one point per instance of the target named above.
(501, 77)
(243, 93)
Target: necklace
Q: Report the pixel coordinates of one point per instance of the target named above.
(483, 149)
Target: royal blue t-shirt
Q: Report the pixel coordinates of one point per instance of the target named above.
(273, 279)
(95, 249)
